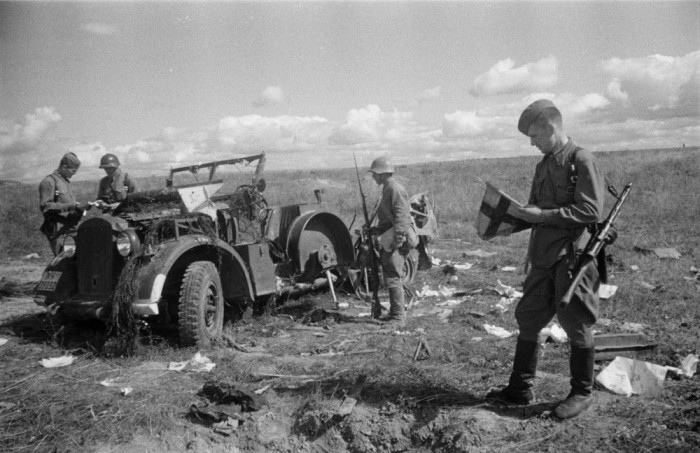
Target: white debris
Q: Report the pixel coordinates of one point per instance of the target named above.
(689, 365)
(109, 382)
(509, 291)
(261, 390)
(555, 332)
(479, 253)
(3, 341)
(126, 390)
(509, 269)
(462, 267)
(634, 267)
(449, 303)
(500, 332)
(477, 339)
(445, 291)
(444, 314)
(56, 362)
(667, 253)
(633, 327)
(427, 292)
(628, 377)
(31, 256)
(198, 364)
(606, 291)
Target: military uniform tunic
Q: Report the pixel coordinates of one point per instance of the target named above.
(58, 206)
(114, 187)
(555, 242)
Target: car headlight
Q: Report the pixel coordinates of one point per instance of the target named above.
(69, 246)
(127, 242)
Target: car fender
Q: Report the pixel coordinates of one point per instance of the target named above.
(161, 273)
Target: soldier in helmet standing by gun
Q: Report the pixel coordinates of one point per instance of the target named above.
(397, 235)
(113, 187)
(58, 205)
(567, 196)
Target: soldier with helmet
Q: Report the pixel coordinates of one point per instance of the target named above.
(397, 235)
(59, 207)
(113, 187)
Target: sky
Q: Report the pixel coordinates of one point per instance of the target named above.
(163, 84)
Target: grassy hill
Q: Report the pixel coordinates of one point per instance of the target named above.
(659, 211)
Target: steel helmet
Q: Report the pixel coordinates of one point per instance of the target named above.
(109, 161)
(381, 165)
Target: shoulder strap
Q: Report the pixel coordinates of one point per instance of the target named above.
(572, 176)
(55, 187)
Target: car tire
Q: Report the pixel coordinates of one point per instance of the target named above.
(201, 305)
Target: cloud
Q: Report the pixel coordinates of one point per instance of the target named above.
(505, 78)
(370, 125)
(100, 28)
(655, 86)
(270, 96)
(431, 94)
(28, 134)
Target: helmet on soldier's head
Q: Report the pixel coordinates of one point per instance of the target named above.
(109, 161)
(381, 165)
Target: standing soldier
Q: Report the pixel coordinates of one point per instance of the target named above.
(58, 205)
(113, 187)
(397, 235)
(566, 196)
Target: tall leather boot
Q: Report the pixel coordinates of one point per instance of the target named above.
(580, 398)
(518, 390)
(397, 311)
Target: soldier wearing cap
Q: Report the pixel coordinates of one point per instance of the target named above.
(395, 225)
(113, 187)
(566, 196)
(58, 205)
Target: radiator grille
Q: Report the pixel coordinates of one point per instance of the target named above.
(95, 257)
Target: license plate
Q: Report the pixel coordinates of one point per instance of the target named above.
(48, 281)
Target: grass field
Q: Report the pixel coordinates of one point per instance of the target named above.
(430, 405)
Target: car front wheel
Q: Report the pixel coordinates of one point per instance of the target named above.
(201, 305)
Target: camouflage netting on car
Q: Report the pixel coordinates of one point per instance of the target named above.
(123, 323)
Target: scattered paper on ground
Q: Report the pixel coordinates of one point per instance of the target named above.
(555, 332)
(646, 285)
(606, 291)
(449, 303)
(633, 327)
(56, 362)
(3, 341)
(500, 332)
(689, 365)
(509, 269)
(198, 363)
(628, 377)
(667, 253)
(479, 253)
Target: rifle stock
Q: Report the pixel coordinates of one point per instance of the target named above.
(368, 244)
(593, 247)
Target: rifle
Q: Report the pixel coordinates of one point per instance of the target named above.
(595, 244)
(368, 245)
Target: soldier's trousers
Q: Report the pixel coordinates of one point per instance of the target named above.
(542, 291)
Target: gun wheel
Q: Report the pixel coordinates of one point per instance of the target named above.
(361, 280)
(201, 305)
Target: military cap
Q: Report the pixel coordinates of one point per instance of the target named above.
(531, 113)
(70, 160)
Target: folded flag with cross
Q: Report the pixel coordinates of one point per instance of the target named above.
(498, 215)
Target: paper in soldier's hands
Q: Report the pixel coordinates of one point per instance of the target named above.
(499, 215)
